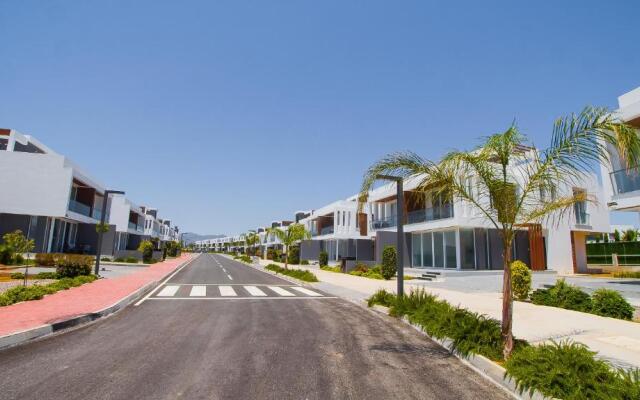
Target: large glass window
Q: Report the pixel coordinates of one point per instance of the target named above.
(427, 250)
(450, 249)
(438, 249)
(467, 249)
(416, 249)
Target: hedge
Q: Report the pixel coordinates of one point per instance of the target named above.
(36, 292)
(303, 275)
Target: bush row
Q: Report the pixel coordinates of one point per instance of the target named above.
(604, 302)
(36, 292)
(303, 275)
(244, 258)
(40, 275)
(560, 370)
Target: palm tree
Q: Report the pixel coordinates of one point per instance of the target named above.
(289, 236)
(505, 180)
(250, 239)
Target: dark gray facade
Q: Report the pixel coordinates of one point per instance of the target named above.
(32, 228)
(359, 249)
(389, 238)
(87, 239)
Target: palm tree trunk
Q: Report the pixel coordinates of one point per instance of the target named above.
(286, 257)
(507, 302)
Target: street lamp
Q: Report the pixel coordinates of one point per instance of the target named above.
(101, 230)
(400, 228)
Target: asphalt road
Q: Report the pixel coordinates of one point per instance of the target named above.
(219, 329)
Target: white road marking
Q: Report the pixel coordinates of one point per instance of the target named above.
(254, 291)
(306, 291)
(244, 298)
(229, 276)
(188, 262)
(281, 291)
(169, 291)
(198, 291)
(227, 291)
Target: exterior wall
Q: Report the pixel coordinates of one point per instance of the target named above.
(87, 236)
(310, 249)
(27, 179)
(386, 238)
(12, 222)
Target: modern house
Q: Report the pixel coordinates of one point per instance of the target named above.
(449, 233)
(58, 204)
(48, 197)
(129, 222)
(339, 230)
(621, 181)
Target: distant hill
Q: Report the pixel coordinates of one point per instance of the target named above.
(190, 237)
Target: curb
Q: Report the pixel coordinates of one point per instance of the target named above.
(261, 268)
(482, 365)
(17, 338)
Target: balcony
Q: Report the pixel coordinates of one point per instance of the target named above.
(388, 222)
(583, 218)
(135, 227)
(97, 214)
(625, 180)
(79, 208)
(430, 214)
(327, 230)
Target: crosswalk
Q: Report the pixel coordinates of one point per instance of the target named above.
(231, 291)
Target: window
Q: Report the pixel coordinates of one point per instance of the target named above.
(416, 249)
(438, 249)
(467, 248)
(427, 250)
(338, 218)
(343, 216)
(450, 249)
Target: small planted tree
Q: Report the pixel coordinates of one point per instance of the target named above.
(19, 245)
(521, 280)
(323, 259)
(289, 236)
(389, 262)
(146, 248)
(512, 184)
(251, 239)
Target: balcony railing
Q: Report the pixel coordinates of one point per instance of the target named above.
(79, 208)
(430, 214)
(97, 214)
(583, 218)
(327, 230)
(135, 227)
(382, 223)
(625, 180)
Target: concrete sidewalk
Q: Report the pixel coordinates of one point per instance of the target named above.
(21, 318)
(615, 340)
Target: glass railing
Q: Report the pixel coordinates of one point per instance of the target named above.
(97, 214)
(382, 223)
(326, 230)
(625, 180)
(583, 218)
(135, 227)
(79, 208)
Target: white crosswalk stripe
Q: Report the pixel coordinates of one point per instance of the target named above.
(198, 291)
(281, 291)
(227, 291)
(307, 291)
(168, 291)
(254, 291)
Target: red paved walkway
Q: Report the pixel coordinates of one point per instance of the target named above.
(80, 300)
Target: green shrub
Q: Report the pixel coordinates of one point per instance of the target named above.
(47, 275)
(270, 253)
(520, 280)
(389, 257)
(146, 248)
(367, 274)
(304, 262)
(569, 370)
(119, 259)
(245, 259)
(36, 292)
(627, 274)
(361, 267)
(323, 259)
(470, 333)
(106, 259)
(72, 265)
(303, 275)
(134, 260)
(46, 259)
(16, 275)
(294, 255)
(609, 303)
(6, 254)
(563, 295)
(331, 269)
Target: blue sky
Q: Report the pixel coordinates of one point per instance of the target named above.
(226, 115)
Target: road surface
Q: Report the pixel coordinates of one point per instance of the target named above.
(219, 329)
